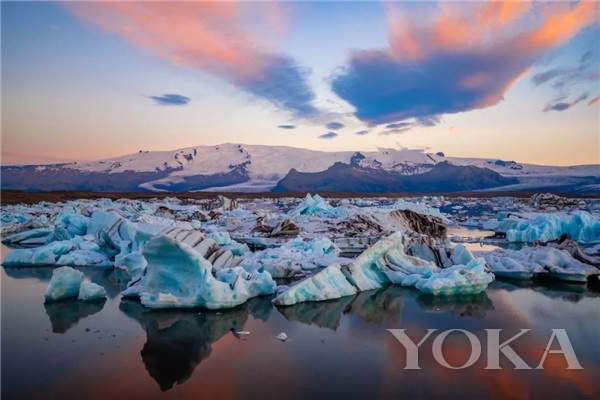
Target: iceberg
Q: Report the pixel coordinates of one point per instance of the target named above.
(89, 291)
(471, 278)
(329, 283)
(177, 276)
(64, 284)
(32, 237)
(72, 252)
(294, 257)
(529, 262)
(317, 206)
(580, 226)
(387, 262)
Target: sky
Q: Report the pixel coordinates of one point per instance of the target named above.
(508, 80)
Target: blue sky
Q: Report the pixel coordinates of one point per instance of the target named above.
(85, 81)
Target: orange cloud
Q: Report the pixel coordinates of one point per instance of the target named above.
(594, 101)
(204, 35)
(222, 38)
(464, 57)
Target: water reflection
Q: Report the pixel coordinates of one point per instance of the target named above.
(474, 305)
(342, 344)
(325, 314)
(64, 315)
(178, 340)
(571, 292)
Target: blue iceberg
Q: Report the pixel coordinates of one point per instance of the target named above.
(90, 291)
(329, 283)
(177, 276)
(317, 206)
(387, 262)
(64, 284)
(580, 226)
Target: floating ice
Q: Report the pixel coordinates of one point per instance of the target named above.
(89, 291)
(294, 257)
(461, 255)
(64, 284)
(282, 337)
(387, 262)
(471, 278)
(317, 206)
(329, 283)
(177, 276)
(580, 226)
(544, 260)
(223, 239)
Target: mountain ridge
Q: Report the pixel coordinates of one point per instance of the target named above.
(237, 167)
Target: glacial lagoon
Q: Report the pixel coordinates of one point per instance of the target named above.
(118, 349)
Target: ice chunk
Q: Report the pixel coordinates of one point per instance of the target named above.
(223, 239)
(387, 262)
(461, 255)
(294, 257)
(89, 291)
(542, 260)
(471, 278)
(316, 205)
(281, 337)
(177, 276)
(580, 226)
(366, 271)
(64, 284)
(329, 283)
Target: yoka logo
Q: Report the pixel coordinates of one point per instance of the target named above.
(494, 349)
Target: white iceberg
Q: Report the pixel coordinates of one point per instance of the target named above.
(89, 291)
(329, 283)
(387, 262)
(64, 284)
(177, 276)
(293, 258)
(528, 262)
(471, 278)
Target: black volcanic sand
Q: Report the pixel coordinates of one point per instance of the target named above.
(17, 196)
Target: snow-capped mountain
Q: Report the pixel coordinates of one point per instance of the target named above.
(237, 167)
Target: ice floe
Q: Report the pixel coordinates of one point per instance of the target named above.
(177, 276)
(530, 262)
(329, 283)
(64, 284)
(580, 226)
(89, 291)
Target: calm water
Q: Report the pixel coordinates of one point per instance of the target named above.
(118, 349)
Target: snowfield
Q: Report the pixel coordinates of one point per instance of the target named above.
(240, 167)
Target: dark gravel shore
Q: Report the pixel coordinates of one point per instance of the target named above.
(16, 196)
